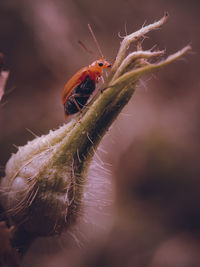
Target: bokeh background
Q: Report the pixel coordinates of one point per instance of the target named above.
(153, 147)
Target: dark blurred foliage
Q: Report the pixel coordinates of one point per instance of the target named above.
(8, 255)
(154, 145)
(158, 214)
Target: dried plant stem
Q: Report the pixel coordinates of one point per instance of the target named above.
(133, 38)
(132, 58)
(137, 73)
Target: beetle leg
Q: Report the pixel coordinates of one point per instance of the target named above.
(81, 95)
(80, 117)
(66, 116)
(74, 100)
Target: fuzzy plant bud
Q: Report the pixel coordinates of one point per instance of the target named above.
(43, 188)
(40, 192)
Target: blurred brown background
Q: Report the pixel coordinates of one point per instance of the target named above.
(153, 146)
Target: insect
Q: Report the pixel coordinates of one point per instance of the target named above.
(82, 84)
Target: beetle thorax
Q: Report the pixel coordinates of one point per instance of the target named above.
(95, 70)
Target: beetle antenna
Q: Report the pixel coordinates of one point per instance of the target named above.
(85, 48)
(95, 40)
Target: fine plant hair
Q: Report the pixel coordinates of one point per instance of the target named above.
(43, 189)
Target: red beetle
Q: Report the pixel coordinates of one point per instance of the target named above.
(82, 84)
